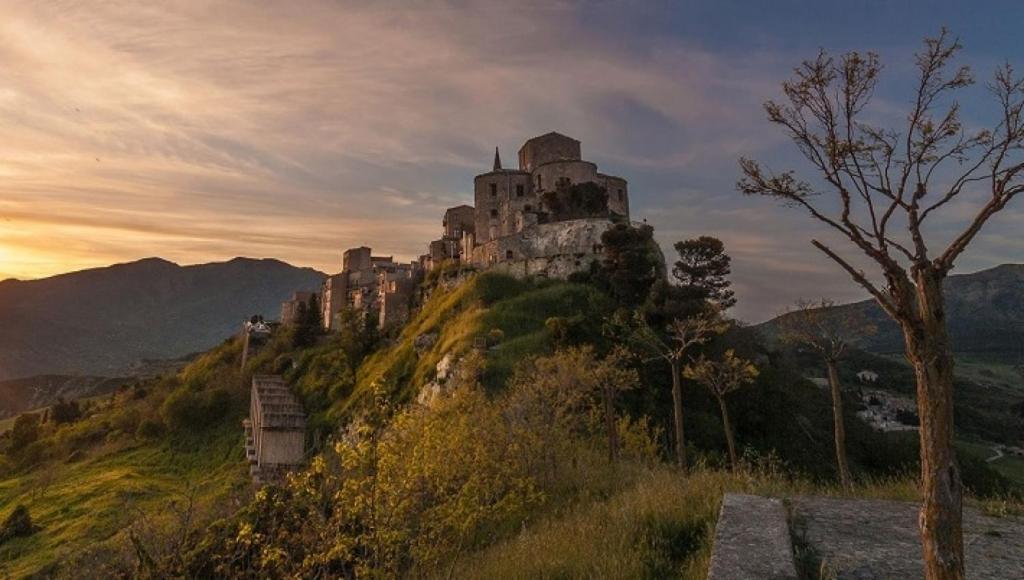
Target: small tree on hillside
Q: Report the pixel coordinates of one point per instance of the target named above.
(721, 378)
(673, 347)
(816, 325)
(702, 271)
(881, 186)
(630, 265)
(574, 384)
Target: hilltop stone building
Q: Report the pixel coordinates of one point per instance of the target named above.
(275, 432)
(544, 218)
(374, 285)
(290, 307)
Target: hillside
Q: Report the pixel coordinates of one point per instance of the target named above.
(103, 320)
(505, 458)
(17, 395)
(985, 313)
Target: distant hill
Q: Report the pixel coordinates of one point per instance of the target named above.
(17, 395)
(104, 320)
(985, 312)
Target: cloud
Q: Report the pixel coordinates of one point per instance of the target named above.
(201, 131)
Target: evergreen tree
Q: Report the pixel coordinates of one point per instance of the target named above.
(631, 264)
(702, 272)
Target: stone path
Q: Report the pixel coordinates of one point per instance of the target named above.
(752, 540)
(877, 540)
(853, 540)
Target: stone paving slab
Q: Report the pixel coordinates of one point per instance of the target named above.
(877, 540)
(752, 540)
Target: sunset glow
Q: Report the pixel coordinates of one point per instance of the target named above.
(198, 133)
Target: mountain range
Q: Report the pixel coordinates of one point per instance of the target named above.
(104, 321)
(985, 312)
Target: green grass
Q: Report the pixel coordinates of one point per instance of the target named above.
(1008, 466)
(457, 317)
(77, 505)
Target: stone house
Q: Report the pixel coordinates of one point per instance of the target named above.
(290, 307)
(374, 285)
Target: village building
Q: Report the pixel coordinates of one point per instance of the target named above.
(373, 285)
(290, 308)
(275, 432)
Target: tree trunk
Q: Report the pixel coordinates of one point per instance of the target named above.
(929, 351)
(677, 412)
(727, 426)
(609, 417)
(838, 423)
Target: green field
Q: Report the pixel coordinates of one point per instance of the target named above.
(79, 505)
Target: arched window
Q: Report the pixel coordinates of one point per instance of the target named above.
(509, 254)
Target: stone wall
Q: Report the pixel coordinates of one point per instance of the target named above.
(554, 250)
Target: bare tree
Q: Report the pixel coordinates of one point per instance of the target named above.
(816, 325)
(682, 335)
(721, 378)
(877, 188)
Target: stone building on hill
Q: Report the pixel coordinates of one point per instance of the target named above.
(374, 285)
(275, 432)
(544, 218)
(290, 308)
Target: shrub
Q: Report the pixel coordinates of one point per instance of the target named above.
(126, 420)
(65, 411)
(18, 524)
(24, 431)
(186, 408)
(182, 408)
(149, 429)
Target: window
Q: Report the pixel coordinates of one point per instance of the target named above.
(494, 213)
(620, 195)
(494, 189)
(539, 186)
(509, 255)
(527, 208)
(519, 190)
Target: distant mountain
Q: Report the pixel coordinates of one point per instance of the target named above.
(104, 320)
(17, 395)
(985, 312)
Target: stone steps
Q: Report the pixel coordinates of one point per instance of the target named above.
(752, 540)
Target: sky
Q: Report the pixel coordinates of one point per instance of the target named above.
(199, 131)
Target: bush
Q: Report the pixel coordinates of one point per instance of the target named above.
(24, 432)
(126, 420)
(149, 429)
(186, 408)
(18, 524)
(181, 408)
(65, 412)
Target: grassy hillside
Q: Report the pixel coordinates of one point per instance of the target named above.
(506, 314)
(86, 481)
(490, 479)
